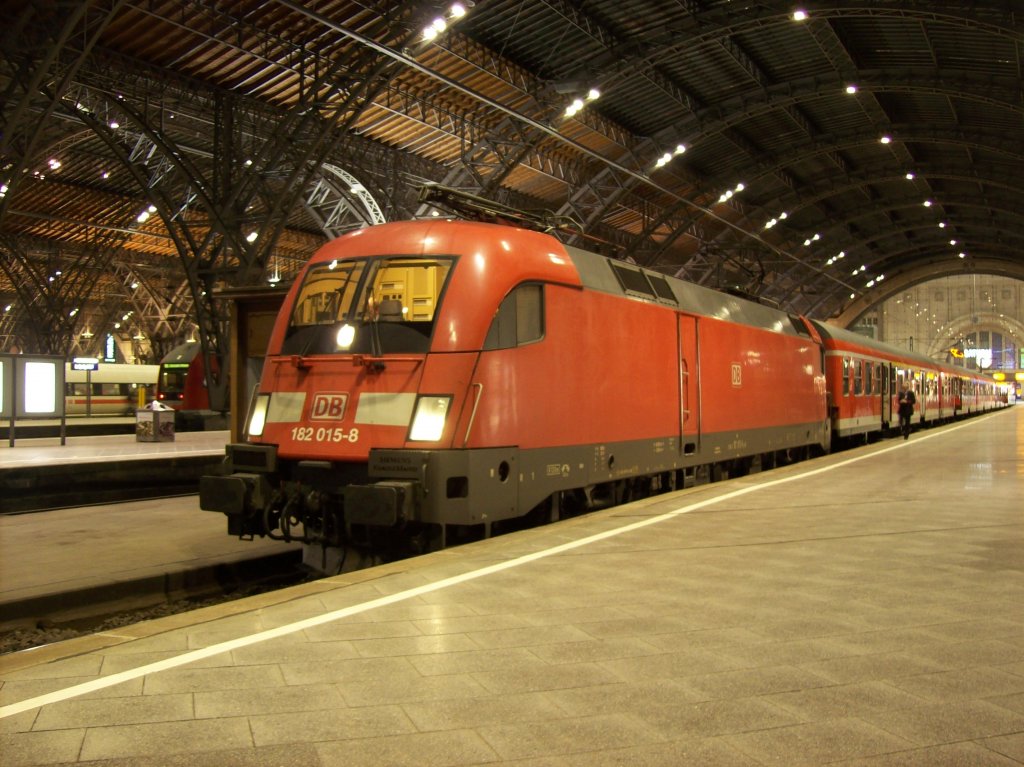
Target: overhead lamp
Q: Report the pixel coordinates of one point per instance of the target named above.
(593, 94)
(799, 15)
(886, 139)
(666, 158)
(910, 177)
(114, 125)
(574, 107)
(54, 163)
(252, 236)
(851, 89)
(927, 203)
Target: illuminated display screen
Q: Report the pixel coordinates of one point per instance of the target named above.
(40, 388)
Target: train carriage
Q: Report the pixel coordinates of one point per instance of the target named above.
(111, 389)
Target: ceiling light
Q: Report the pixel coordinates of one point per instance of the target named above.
(886, 139)
(114, 125)
(799, 15)
(851, 89)
(457, 11)
(910, 177)
(593, 94)
(927, 203)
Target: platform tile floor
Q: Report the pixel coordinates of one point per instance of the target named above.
(865, 610)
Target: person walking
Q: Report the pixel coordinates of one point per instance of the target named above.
(906, 409)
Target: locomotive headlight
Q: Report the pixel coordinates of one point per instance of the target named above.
(346, 335)
(258, 417)
(428, 418)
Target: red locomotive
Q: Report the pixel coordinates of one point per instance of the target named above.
(438, 380)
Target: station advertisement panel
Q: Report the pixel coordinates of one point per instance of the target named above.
(6, 373)
(36, 382)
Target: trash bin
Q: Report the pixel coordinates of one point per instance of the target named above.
(154, 423)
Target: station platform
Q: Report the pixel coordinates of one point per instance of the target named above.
(42, 473)
(862, 609)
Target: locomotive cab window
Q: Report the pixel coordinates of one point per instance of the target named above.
(519, 319)
(368, 306)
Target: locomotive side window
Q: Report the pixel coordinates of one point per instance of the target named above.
(519, 320)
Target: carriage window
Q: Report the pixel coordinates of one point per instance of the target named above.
(869, 376)
(846, 375)
(858, 377)
(519, 320)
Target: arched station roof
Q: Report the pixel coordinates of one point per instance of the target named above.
(154, 150)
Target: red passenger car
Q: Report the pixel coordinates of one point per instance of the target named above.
(865, 378)
(180, 384)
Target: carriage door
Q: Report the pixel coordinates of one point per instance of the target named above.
(888, 376)
(689, 385)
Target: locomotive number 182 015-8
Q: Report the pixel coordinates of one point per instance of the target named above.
(324, 434)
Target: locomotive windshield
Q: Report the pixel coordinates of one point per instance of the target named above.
(368, 306)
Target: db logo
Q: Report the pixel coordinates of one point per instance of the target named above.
(328, 406)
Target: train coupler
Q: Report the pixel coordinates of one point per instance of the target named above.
(382, 504)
